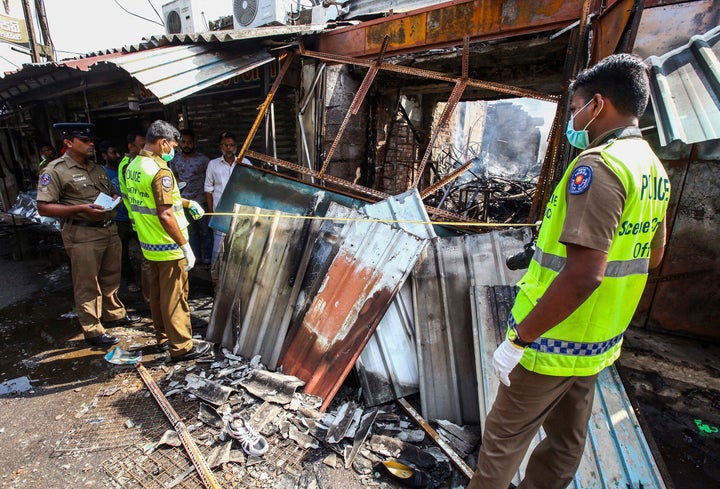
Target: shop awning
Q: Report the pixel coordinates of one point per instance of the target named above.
(174, 72)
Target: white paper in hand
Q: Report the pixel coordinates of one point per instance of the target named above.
(106, 202)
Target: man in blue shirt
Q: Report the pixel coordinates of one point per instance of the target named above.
(111, 155)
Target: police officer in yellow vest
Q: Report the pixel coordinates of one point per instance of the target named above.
(67, 189)
(156, 208)
(603, 228)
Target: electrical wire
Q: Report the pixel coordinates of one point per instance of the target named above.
(156, 12)
(386, 221)
(4, 58)
(136, 15)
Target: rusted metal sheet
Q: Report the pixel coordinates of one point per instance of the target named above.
(441, 282)
(685, 89)
(668, 25)
(682, 296)
(373, 260)
(387, 368)
(449, 23)
(616, 453)
(617, 23)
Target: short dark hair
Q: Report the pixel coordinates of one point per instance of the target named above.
(105, 145)
(226, 134)
(187, 132)
(622, 78)
(48, 145)
(161, 130)
(132, 136)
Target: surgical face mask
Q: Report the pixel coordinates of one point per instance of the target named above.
(580, 139)
(169, 156)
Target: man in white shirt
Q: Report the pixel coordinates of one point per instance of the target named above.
(216, 178)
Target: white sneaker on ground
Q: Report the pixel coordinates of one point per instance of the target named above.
(250, 440)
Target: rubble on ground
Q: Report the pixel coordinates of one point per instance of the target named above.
(348, 436)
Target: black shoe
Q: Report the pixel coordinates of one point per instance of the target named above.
(102, 340)
(128, 319)
(162, 347)
(198, 349)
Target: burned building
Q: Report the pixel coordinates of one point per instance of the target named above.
(449, 115)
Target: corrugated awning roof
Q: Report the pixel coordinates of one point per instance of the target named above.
(685, 91)
(184, 63)
(276, 32)
(174, 72)
(170, 72)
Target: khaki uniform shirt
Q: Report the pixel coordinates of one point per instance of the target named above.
(64, 181)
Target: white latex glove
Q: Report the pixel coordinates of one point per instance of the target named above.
(506, 358)
(189, 256)
(196, 210)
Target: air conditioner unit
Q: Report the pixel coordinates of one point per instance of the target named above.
(256, 13)
(188, 16)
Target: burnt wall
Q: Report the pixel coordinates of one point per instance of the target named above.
(682, 295)
(341, 85)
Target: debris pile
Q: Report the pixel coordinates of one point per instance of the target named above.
(249, 419)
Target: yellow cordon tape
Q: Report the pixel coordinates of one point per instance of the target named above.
(387, 221)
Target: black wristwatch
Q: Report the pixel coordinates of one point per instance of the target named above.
(515, 339)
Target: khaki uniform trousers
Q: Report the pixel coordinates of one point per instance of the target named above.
(95, 262)
(561, 405)
(168, 304)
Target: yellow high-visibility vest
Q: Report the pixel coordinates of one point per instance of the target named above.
(155, 242)
(590, 338)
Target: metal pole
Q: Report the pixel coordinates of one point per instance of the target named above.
(34, 55)
(47, 46)
(455, 459)
(206, 475)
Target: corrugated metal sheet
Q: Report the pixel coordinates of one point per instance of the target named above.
(685, 91)
(48, 74)
(277, 31)
(373, 260)
(387, 368)
(50, 80)
(259, 283)
(172, 73)
(616, 453)
(257, 188)
(441, 283)
(686, 18)
(240, 100)
(161, 40)
(447, 24)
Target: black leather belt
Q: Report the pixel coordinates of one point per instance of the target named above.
(90, 224)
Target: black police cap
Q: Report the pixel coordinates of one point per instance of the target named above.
(68, 130)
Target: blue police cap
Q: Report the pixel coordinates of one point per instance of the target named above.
(69, 130)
